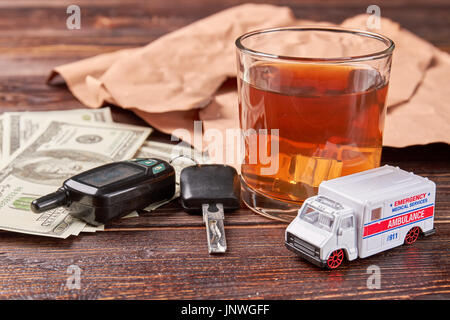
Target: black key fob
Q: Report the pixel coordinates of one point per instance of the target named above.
(209, 184)
(113, 190)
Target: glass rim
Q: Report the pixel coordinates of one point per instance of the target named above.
(390, 45)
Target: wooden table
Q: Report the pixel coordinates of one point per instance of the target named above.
(162, 255)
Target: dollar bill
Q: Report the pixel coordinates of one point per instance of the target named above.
(89, 228)
(56, 152)
(20, 126)
(1, 140)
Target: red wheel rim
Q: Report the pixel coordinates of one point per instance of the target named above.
(412, 235)
(335, 259)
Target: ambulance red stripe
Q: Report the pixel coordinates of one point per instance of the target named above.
(398, 221)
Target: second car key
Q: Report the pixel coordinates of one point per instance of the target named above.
(212, 190)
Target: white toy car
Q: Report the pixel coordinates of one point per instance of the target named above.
(362, 214)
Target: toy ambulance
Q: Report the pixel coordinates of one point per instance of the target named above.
(362, 214)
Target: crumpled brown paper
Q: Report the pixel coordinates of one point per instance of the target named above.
(179, 71)
(177, 78)
(418, 99)
(425, 118)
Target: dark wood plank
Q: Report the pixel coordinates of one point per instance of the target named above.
(138, 22)
(162, 263)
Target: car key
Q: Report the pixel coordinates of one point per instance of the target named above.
(211, 189)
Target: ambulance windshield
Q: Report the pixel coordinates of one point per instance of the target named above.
(317, 218)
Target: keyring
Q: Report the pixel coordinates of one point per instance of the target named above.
(182, 156)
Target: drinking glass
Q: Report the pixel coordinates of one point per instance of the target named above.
(311, 108)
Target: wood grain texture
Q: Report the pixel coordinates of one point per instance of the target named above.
(162, 263)
(162, 255)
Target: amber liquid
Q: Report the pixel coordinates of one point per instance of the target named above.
(330, 120)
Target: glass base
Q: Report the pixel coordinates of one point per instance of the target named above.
(268, 207)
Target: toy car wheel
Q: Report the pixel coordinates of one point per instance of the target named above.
(335, 259)
(412, 235)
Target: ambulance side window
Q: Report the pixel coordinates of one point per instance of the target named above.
(376, 214)
(347, 223)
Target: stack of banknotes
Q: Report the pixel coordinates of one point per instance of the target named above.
(40, 150)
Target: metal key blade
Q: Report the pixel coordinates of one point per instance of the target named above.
(215, 230)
